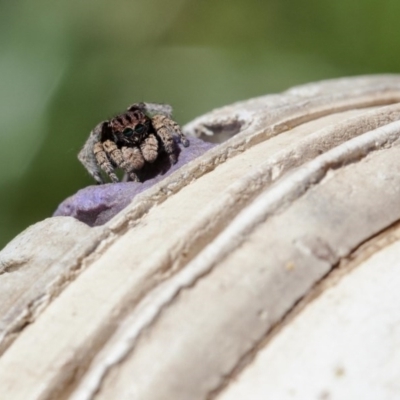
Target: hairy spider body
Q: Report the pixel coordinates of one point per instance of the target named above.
(131, 139)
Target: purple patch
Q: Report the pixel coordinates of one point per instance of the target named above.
(95, 205)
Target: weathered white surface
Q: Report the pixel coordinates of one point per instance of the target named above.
(30, 277)
(344, 345)
(253, 282)
(171, 297)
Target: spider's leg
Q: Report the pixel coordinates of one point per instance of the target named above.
(134, 160)
(149, 148)
(87, 157)
(166, 137)
(174, 128)
(100, 152)
(177, 130)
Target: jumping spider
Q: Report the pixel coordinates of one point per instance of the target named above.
(131, 139)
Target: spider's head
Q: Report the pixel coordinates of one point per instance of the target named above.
(130, 128)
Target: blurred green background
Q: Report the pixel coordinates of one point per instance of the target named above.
(67, 65)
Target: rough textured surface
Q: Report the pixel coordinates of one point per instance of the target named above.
(26, 274)
(95, 205)
(254, 296)
(176, 295)
(348, 354)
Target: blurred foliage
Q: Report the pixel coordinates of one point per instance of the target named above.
(67, 65)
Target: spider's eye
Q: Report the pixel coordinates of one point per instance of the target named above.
(128, 132)
(139, 128)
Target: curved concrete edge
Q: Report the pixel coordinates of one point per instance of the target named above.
(147, 313)
(348, 353)
(28, 276)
